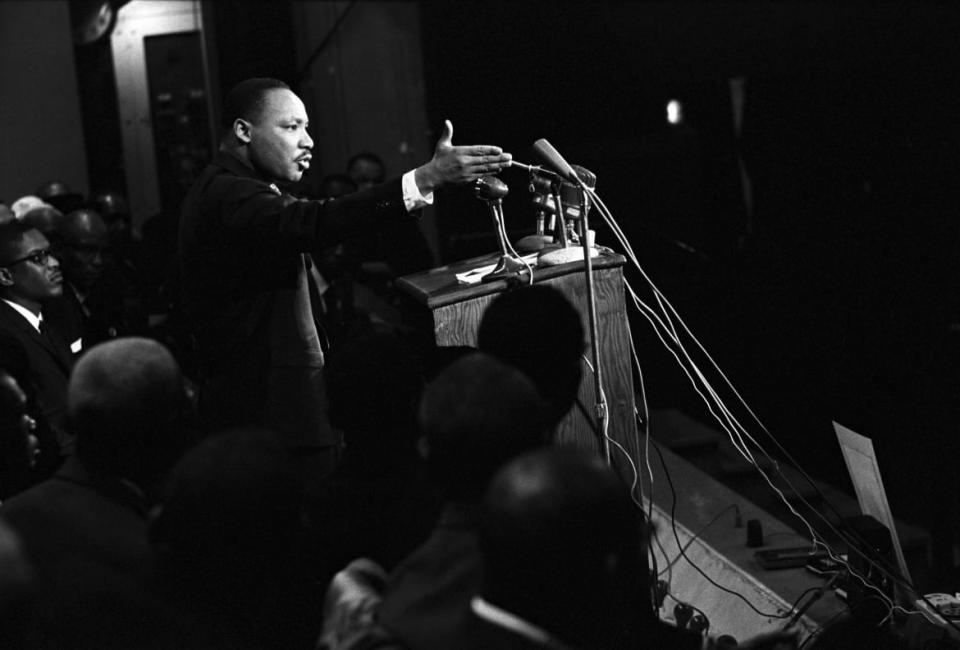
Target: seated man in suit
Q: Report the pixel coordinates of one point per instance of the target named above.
(228, 535)
(30, 347)
(85, 529)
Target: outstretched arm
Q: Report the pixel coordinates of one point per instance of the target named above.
(458, 164)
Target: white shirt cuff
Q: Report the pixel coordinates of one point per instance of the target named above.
(412, 198)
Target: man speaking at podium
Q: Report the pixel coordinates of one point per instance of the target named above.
(245, 260)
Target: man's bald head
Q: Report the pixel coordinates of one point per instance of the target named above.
(558, 503)
(123, 396)
(82, 236)
(562, 547)
(45, 218)
(82, 224)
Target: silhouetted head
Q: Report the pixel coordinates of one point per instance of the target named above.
(59, 195)
(536, 329)
(125, 400)
(115, 211)
(229, 520)
(46, 219)
(563, 545)
(474, 416)
(366, 169)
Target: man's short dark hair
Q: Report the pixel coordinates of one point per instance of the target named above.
(11, 234)
(477, 414)
(246, 100)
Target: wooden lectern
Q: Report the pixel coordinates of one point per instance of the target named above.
(455, 308)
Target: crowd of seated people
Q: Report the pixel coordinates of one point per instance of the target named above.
(451, 519)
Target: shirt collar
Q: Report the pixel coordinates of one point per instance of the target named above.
(504, 619)
(33, 319)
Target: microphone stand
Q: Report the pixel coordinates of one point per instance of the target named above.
(564, 249)
(562, 255)
(601, 403)
(491, 191)
(561, 222)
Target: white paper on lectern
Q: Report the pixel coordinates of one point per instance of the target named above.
(865, 473)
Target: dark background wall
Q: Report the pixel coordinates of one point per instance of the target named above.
(841, 302)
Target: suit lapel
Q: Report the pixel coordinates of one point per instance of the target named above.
(59, 354)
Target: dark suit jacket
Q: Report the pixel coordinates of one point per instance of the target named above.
(45, 365)
(102, 317)
(426, 595)
(242, 244)
(67, 314)
(85, 535)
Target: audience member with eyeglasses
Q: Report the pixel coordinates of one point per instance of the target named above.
(31, 348)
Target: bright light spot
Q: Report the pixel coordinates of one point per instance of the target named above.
(674, 112)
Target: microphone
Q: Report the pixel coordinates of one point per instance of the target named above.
(554, 160)
(490, 188)
(586, 176)
(570, 195)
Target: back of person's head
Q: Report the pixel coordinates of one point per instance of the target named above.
(373, 382)
(59, 195)
(536, 329)
(46, 219)
(246, 100)
(125, 399)
(474, 416)
(25, 204)
(11, 236)
(80, 225)
(563, 543)
(230, 513)
(110, 205)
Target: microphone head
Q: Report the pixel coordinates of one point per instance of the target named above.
(586, 176)
(544, 203)
(553, 159)
(490, 188)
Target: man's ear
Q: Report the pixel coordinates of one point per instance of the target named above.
(6, 277)
(241, 130)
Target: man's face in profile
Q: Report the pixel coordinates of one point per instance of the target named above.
(279, 144)
(31, 274)
(82, 249)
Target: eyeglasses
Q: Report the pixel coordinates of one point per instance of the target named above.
(40, 258)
